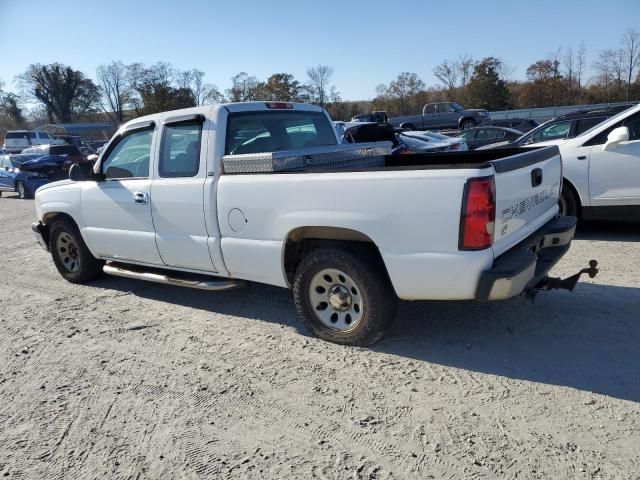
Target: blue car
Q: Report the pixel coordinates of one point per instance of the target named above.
(25, 173)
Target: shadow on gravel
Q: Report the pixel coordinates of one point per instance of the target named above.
(609, 231)
(588, 340)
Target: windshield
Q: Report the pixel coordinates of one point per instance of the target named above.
(260, 132)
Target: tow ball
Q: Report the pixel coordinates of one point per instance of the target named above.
(569, 283)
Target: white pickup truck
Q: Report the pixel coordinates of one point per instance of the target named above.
(213, 196)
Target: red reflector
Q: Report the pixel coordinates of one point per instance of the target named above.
(478, 214)
(280, 105)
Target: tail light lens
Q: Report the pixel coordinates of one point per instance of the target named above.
(279, 105)
(478, 214)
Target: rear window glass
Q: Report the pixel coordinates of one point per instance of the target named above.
(63, 150)
(259, 132)
(17, 135)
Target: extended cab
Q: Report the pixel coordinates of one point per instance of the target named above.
(442, 115)
(212, 196)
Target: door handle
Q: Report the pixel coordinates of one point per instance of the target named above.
(582, 157)
(141, 197)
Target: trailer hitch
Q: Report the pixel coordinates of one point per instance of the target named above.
(569, 283)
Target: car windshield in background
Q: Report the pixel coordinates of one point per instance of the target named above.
(259, 132)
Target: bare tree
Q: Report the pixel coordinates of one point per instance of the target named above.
(465, 65)
(631, 52)
(618, 67)
(447, 72)
(318, 85)
(243, 88)
(604, 68)
(569, 61)
(581, 62)
(115, 91)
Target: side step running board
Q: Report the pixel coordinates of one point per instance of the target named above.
(201, 282)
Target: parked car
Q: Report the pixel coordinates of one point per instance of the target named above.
(523, 125)
(601, 169)
(479, 136)
(376, 117)
(349, 229)
(17, 140)
(437, 140)
(563, 127)
(24, 175)
(73, 154)
(441, 115)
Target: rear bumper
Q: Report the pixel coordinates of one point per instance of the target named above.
(38, 231)
(521, 268)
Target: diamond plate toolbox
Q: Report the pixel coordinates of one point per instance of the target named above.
(324, 158)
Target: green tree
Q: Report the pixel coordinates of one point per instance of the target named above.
(487, 89)
(279, 86)
(63, 91)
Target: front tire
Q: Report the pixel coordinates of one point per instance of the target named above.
(70, 254)
(344, 297)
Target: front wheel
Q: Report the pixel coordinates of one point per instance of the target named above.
(344, 297)
(467, 124)
(70, 254)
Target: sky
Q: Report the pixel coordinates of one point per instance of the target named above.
(366, 42)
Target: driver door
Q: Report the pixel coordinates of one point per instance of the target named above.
(117, 210)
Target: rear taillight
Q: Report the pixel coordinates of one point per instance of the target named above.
(478, 214)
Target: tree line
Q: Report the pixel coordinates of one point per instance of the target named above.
(59, 93)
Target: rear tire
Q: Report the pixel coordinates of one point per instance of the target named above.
(408, 126)
(70, 254)
(568, 202)
(344, 297)
(467, 124)
(22, 191)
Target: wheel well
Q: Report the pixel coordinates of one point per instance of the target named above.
(305, 239)
(574, 191)
(408, 125)
(464, 119)
(49, 218)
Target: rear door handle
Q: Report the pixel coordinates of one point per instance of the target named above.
(141, 197)
(582, 157)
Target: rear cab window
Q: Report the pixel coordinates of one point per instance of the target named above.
(180, 150)
(260, 132)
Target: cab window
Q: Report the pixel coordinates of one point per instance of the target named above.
(130, 156)
(430, 108)
(180, 150)
(553, 132)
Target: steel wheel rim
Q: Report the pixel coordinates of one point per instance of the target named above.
(68, 252)
(336, 300)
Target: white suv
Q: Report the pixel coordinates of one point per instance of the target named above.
(17, 140)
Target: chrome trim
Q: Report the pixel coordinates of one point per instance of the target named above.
(213, 285)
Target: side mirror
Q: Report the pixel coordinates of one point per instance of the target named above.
(80, 172)
(92, 158)
(616, 136)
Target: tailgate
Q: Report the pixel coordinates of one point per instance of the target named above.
(527, 190)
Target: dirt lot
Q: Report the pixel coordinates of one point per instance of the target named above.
(124, 379)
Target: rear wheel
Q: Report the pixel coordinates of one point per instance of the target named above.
(408, 126)
(467, 124)
(70, 254)
(344, 297)
(22, 192)
(568, 202)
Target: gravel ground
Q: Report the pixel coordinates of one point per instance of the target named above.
(128, 380)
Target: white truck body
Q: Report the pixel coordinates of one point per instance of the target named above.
(242, 226)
